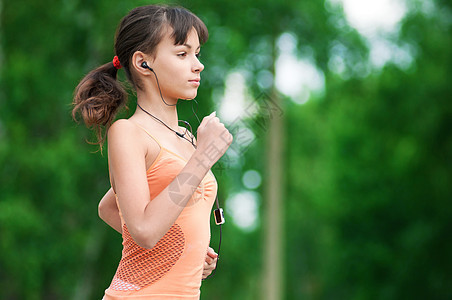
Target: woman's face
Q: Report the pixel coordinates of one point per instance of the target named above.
(178, 67)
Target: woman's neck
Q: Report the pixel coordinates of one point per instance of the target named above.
(153, 104)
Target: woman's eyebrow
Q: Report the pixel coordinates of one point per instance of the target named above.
(190, 46)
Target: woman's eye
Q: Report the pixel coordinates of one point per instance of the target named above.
(182, 54)
(198, 55)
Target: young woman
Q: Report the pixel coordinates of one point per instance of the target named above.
(162, 187)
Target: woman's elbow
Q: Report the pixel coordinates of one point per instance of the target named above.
(147, 244)
(143, 238)
(102, 210)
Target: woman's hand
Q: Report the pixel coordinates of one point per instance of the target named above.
(210, 264)
(213, 140)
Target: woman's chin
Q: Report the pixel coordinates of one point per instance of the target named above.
(189, 97)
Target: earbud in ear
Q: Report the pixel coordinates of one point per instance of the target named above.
(145, 65)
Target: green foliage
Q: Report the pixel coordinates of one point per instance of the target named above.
(367, 207)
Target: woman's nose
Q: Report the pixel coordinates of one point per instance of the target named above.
(198, 66)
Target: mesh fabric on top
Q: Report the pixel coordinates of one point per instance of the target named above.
(141, 267)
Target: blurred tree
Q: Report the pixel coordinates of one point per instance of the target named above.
(49, 182)
(375, 161)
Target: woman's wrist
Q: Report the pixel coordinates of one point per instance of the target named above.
(202, 160)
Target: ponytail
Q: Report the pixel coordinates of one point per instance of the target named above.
(97, 98)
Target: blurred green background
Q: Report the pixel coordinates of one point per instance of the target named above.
(365, 151)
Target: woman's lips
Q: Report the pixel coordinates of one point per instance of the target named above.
(195, 82)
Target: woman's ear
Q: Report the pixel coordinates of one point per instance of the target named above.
(138, 58)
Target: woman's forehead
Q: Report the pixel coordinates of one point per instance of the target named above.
(192, 39)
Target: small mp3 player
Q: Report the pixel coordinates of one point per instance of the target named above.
(219, 217)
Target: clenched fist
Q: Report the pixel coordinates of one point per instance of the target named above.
(213, 139)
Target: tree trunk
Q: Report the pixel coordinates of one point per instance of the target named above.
(273, 225)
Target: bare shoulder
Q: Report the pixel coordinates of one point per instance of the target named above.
(127, 139)
(124, 134)
(122, 126)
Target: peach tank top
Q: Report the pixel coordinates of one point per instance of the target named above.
(172, 269)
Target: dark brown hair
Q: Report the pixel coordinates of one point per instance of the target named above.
(99, 95)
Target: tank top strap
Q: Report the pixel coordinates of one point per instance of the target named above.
(147, 132)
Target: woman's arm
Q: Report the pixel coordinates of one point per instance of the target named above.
(109, 212)
(147, 221)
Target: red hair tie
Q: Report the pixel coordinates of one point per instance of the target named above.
(116, 62)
